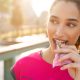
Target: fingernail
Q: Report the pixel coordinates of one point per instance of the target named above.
(61, 68)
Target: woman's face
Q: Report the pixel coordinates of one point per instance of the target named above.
(64, 23)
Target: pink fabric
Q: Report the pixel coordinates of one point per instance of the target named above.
(33, 67)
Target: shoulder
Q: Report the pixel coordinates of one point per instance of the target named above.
(34, 55)
(26, 63)
(27, 60)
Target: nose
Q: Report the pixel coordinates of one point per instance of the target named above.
(59, 33)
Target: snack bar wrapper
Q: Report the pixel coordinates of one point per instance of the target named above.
(58, 56)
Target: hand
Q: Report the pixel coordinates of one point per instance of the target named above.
(71, 53)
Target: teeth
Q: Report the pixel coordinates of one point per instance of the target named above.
(59, 43)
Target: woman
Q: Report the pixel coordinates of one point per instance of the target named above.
(63, 28)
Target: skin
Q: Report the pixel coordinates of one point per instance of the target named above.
(64, 24)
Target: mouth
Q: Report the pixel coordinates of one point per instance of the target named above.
(59, 43)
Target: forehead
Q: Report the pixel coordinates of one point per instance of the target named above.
(65, 10)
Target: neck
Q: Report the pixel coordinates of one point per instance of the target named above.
(48, 55)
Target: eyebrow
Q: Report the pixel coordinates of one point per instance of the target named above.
(70, 19)
(52, 16)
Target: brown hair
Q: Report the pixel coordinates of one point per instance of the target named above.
(77, 2)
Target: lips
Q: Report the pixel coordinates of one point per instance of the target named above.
(58, 43)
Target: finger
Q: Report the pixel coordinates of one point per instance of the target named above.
(72, 47)
(63, 50)
(71, 65)
(71, 56)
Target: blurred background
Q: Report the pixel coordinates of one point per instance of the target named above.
(20, 18)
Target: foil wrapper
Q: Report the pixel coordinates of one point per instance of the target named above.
(58, 56)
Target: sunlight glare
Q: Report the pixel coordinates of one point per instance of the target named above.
(41, 5)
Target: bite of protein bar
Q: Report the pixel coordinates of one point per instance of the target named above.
(58, 56)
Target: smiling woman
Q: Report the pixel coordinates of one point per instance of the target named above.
(41, 5)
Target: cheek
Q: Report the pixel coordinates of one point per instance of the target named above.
(50, 30)
(73, 37)
(50, 33)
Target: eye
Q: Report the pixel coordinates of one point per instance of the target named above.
(54, 21)
(71, 25)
